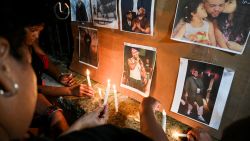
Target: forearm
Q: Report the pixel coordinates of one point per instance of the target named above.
(54, 91)
(150, 127)
(53, 71)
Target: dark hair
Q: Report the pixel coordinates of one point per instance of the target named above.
(189, 8)
(11, 29)
(238, 130)
(15, 16)
(238, 26)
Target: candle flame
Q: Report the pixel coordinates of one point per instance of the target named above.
(164, 112)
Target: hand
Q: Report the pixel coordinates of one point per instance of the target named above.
(91, 119)
(67, 79)
(149, 103)
(198, 134)
(234, 46)
(81, 90)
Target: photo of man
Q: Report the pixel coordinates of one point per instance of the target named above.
(139, 62)
(80, 10)
(219, 24)
(88, 46)
(137, 16)
(199, 91)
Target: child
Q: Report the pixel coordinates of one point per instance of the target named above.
(196, 29)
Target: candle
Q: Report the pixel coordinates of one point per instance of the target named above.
(88, 78)
(107, 93)
(100, 92)
(164, 120)
(176, 135)
(115, 97)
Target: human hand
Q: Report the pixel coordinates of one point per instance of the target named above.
(198, 134)
(234, 46)
(149, 103)
(81, 90)
(92, 119)
(67, 79)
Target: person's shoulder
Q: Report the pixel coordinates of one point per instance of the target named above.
(106, 132)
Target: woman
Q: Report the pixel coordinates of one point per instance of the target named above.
(233, 26)
(18, 97)
(41, 64)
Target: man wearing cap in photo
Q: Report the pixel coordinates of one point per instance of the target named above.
(137, 70)
(194, 89)
(127, 22)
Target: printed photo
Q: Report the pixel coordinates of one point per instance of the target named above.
(80, 10)
(139, 62)
(218, 24)
(201, 91)
(137, 16)
(105, 13)
(88, 46)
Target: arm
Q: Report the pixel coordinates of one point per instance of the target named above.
(143, 70)
(146, 30)
(77, 90)
(211, 34)
(219, 37)
(92, 119)
(198, 134)
(134, 24)
(149, 125)
(58, 122)
(234, 46)
(180, 33)
(131, 64)
(178, 27)
(53, 70)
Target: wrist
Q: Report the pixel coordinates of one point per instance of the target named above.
(59, 77)
(51, 110)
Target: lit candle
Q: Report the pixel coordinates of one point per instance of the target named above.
(115, 97)
(176, 135)
(107, 93)
(88, 78)
(164, 120)
(100, 92)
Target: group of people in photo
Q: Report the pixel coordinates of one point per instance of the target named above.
(217, 23)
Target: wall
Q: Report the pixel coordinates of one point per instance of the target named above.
(167, 64)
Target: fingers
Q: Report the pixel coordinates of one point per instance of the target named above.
(86, 90)
(71, 82)
(192, 135)
(103, 113)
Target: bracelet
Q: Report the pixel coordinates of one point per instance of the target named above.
(60, 76)
(52, 109)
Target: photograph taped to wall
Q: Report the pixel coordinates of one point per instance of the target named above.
(88, 46)
(137, 16)
(105, 13)
(139, 63)
(80, 10)
(224, 28)
(201, 91)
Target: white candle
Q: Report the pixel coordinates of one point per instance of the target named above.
(116, 99)
(164, 120)
(88, 78)
(176, 135)
(107, 93)
(100, 92)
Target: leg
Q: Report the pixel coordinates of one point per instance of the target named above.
(57, 120)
